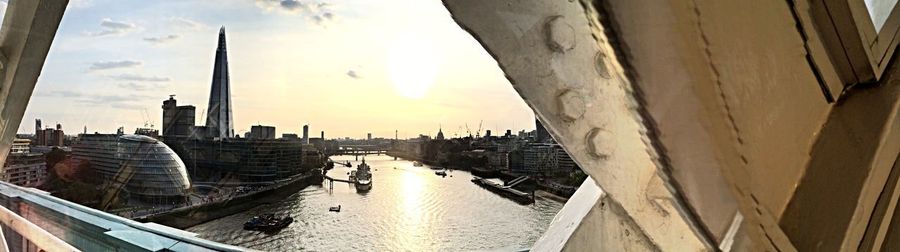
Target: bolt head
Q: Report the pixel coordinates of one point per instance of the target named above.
(600, 65)
(594, 142)
(571, 105)
(560, 35)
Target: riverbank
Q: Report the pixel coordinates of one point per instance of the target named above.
(561, 192)
(189, 216)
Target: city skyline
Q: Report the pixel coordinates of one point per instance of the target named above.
(350, 76)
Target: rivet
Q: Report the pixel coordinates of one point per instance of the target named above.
(594, 142)
(571, 105)
(560, 35)
(600, 65)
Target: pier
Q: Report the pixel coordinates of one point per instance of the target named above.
(506, 191)
(332, 180)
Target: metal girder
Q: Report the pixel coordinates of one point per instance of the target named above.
(559, 59)
(25, 37)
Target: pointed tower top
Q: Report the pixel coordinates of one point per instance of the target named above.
(222, 30)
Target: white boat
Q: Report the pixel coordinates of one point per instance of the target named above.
(363, 176)
(417, 164)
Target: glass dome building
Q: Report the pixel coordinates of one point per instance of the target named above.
(157, 172)
(151, 171)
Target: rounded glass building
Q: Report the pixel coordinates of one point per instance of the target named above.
(156, 172)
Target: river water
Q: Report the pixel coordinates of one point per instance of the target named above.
(408, 209)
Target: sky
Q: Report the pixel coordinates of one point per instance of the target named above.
(346, 67)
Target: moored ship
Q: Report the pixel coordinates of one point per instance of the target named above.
(363, 176)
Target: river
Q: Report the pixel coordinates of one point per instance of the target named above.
(408, 209)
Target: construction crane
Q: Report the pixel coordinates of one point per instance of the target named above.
(468, 131)
(147, 122)
(478, 133)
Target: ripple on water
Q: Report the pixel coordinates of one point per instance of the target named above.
(408, 209)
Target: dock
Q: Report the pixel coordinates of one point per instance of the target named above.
(329, 178)
(506, 191)
(332, 180)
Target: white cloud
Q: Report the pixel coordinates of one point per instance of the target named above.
(318, 12)
(110, 27)
(103, 65)
(137, 77)
(161, 39)
(353, 74)
(184, 22)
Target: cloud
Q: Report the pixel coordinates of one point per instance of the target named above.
(353, 74)
(187, 23)
(115, 101)
(136, 77)
(139, 87)
(110, 27)
(318, 12)
(128, 101)
(161, 39)
(61, 93)
(103, 65)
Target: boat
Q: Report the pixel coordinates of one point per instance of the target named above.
(267, 222)
(417, 164)
(441, 173)
(363, 176)
(335, 208)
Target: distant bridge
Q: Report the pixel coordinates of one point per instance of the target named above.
(361, 149)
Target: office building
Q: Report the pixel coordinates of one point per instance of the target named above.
(245, 161)
(262, 132)
(290, 137)
(546, 159)
(177, 120)
(23, 167)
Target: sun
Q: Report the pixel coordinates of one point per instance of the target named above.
(412, 65)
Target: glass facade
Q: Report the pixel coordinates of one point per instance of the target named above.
(152, 169)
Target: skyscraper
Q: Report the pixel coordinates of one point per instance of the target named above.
(219, 117)
(305, 134)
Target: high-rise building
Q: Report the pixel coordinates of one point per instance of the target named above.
(305, 134)
(37, 126)
(219, 116)
(49, 136)
(369, 137)
(323, 135)
(262, 132)
(177, 120)
(487, 134)
(541, 133)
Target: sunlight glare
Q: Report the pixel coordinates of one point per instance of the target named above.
(412, 65)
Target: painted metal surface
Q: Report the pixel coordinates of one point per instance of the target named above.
(557, 56)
